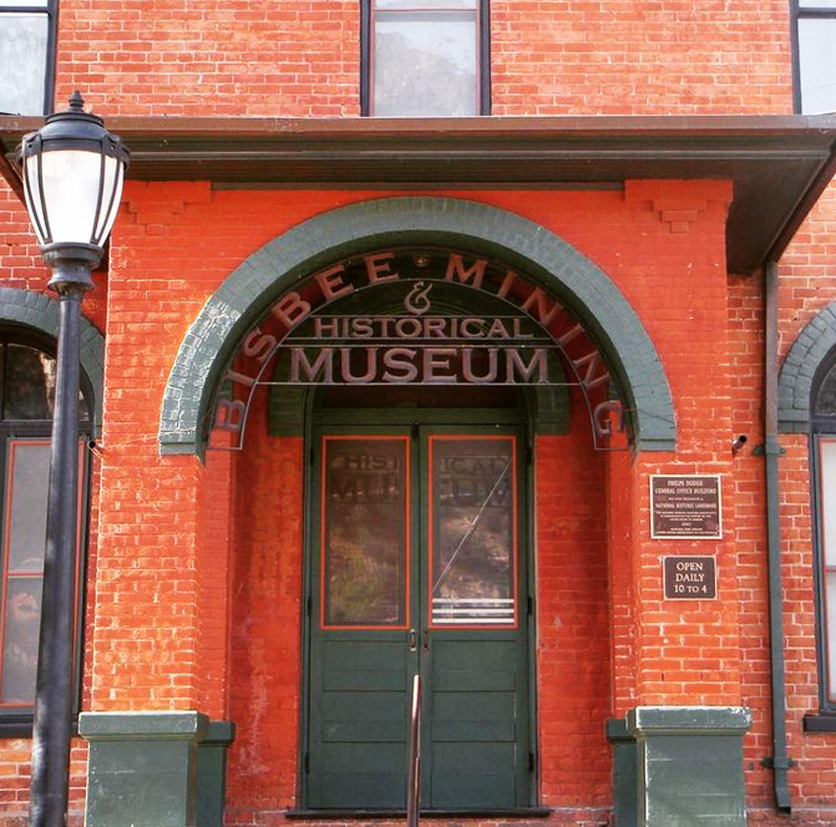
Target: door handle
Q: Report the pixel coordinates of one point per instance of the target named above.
(413, 640)
(426, 644)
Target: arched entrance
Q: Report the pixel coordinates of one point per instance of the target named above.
(445, 310)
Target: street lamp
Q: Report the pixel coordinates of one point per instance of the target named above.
(73, 170)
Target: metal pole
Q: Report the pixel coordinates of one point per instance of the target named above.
(780, 762)
(54, 687)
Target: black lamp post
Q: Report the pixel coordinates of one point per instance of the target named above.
(73, 170)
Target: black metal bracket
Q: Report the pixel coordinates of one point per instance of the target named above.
(776, 763)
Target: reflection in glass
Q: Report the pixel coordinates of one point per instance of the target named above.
(425, 63)
(816, 44)
(23, 45)
(26, 518)
(473, 530)
(364, 531)
(425, 4)
(826, 399)
(22, 619)
(29, 385)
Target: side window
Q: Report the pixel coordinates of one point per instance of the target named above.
(823, 419)
(425, 58)
(27, 385)
(815, 68)
(27, 55)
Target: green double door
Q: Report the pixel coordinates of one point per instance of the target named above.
(418, 568)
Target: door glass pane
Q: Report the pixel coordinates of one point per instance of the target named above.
(365, 530)
(425, 63)
(23, 45)
(26, 518)
(22, 617)
(816, 43)
(473, 530)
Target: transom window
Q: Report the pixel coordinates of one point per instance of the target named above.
(815, 67)
(27, 55)
(27, 391)
(425, 58)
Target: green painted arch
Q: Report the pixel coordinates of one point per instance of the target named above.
(795, 380)
(39, 312)
(538, 254)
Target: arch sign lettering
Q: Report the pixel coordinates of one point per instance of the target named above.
(428, 317)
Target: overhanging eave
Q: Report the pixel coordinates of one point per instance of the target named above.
(779, 165)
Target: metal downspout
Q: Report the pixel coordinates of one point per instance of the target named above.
(780, 761)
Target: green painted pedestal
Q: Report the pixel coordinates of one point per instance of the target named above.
(142, 768)
(690, 765)
(624, 785)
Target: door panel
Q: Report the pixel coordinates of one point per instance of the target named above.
(417, 569)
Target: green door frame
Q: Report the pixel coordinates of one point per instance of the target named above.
(381, 419)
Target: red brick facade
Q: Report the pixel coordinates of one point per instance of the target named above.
(196, 569)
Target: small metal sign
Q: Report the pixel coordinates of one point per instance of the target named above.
(685, 507)
(690, 578)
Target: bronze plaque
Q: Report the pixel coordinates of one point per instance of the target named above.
(690, 578)
(685, 507)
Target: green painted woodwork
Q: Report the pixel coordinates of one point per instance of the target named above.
(142, 768)
(475, 733)
(211, 773)
(624, 781)
(690, 765)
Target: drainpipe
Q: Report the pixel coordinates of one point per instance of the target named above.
(780, 762)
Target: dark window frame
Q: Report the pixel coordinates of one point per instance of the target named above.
(51, 11)
(483, 74)
(822, 427)
(16, 721)
(797, 13)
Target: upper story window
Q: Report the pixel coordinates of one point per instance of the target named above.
(27, 390)
(425, 58)
(27, 55)
(815, 87)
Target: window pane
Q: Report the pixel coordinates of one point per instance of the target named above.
(18, 4)
(30, 383)
(29, 388)
(827, 448)
(22, 617)
(427, 4)
(23, 45)
(473, 530)
(816, 45)
(817, 4)
(26, 504)
(826, 400)
(831, 632)
(365, 531)
(425, 63)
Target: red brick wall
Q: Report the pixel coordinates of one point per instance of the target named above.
(573, 636)
(170, 582)
(300, 58)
